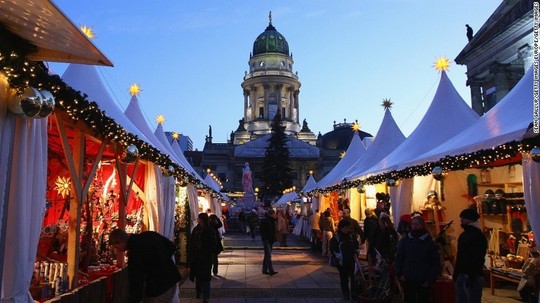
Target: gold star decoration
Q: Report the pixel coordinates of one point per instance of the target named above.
(160, 119)
(135, 89)
(342, 155)
(387, 103)
(87, 30)
(356, 126)
(62, 186)
(442, 64)
(175, 135)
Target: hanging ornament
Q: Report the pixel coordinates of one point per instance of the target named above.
(169, 171)
(391, 182)
(29, 103)
(47, 106)
(535, 154)
(438, 173)
(130, 154)
(361, 189)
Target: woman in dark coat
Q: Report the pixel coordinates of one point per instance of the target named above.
(202, 247)
(417, 262)
(343, 244)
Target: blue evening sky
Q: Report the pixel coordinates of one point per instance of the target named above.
(190, 56)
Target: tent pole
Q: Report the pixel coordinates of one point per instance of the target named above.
(75, 205)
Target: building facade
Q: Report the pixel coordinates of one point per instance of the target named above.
(271, 86)
(498, 55)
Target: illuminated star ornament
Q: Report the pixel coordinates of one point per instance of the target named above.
(135, 89)
(387, 103)
(342, 155)
(175, 135)
(62, 186)
(355, 127)
(160, 119)
(442, 64)
(87, 30)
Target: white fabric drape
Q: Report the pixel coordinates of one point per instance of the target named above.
(167, 203)
(401, 199)
(531, 189)
(151, 191)
(26, 201)
(193, 198)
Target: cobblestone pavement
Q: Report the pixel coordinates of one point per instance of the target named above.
(303, 276)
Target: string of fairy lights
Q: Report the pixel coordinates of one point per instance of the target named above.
(22, 73)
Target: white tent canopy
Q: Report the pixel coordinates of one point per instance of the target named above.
(288, 197)
(388, 137)
(505, 122)
(86, 79)
(310, 184)
(354, 152)
(447, 115)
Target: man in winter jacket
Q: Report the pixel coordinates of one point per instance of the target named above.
(417, 262)
(151, 269)
(471, 253)
(268, 237)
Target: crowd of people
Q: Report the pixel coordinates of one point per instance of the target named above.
(412, 255)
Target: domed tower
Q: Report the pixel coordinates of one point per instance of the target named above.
(269, 87)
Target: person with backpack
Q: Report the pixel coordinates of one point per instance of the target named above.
(343, 246)
(215, 223)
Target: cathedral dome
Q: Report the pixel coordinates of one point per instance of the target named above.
(340, 137)
(270, 41)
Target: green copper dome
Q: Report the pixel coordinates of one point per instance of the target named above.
(270, 41)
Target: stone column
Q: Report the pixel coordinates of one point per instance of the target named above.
(291, 102)
(477, 102)
(525, 53)
(246, 94)
(254, 106)
(297, 102)
(498, 70)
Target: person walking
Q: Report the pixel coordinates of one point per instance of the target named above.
(282, 228)
(344, 246)
(242, 221)
(315, 230)
(216, 224)
(371, 222)
(152, 273)
(471, 253)
(383, 241)
(253, 222)
(417, 263)
(200, 255)
(356, 230)
(268, 237)
(327, 228)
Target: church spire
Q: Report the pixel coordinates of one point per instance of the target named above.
(270, 17)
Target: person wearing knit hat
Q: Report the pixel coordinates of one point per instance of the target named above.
(469, 214)
(471, 253)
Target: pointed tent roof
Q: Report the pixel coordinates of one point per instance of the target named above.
(311, 184)
(447, 115)
(505, 122)
(86, 79)
(388, 138)
(160, 134)
(134, 113)
(288, 197)
(354, 152)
